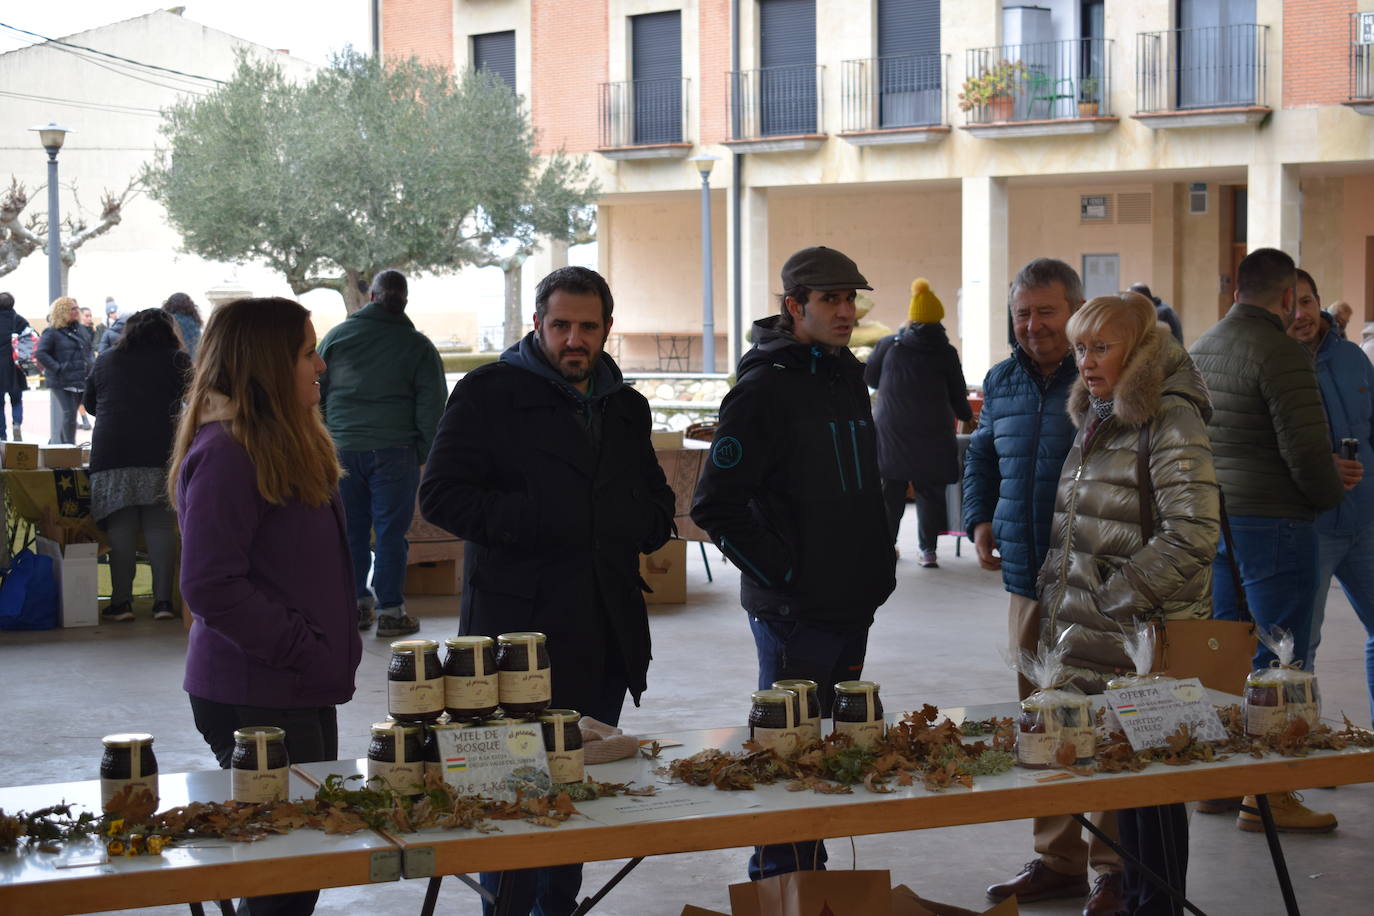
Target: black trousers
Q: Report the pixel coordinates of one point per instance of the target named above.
(1158, 836)
(554, 890)
(312, 733)
(930, 511)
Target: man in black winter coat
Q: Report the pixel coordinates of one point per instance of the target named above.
(544, 466)
(792, 495)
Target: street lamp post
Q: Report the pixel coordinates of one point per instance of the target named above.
(703, 165)
(51, 136)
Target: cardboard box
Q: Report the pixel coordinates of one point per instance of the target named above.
(682, 467)
(665, 571)
(905, 902)
(19, 456)
(444, 577)
(666, 438)
(80, 605)
(59, 456)
(434, 551)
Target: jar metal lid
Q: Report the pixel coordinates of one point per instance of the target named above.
(504, 720)
(251, 733)
(774, 696)
(415, 646)
(469, 642)
(794, 683)
(127, 739)
(554, 715)
(520, 638)
(855, 686)
(388, 728)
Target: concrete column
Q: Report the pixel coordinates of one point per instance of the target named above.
(983, 304)
(550, 256)
(1274, 217)
(756, 284)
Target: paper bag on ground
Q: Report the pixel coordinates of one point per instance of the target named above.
(813, 893)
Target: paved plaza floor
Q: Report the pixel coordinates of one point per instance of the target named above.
(936, 641)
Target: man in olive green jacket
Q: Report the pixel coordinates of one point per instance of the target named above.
(382, 393)
(1276, 471)
(1273, 455)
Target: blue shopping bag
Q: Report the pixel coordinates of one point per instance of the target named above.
(28, 593)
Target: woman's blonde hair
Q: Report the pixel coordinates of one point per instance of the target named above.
(60, 315)
(248, 355)
(1130, 313)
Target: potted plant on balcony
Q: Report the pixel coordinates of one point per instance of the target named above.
(995, 88)
(1088, 98)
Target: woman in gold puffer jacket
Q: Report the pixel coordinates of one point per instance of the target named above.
(1138, 396)
(1099, 577)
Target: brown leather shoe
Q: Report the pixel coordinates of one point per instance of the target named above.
(1106, 896)
(1040, 882)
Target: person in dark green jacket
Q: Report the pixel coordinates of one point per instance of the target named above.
(382, 393)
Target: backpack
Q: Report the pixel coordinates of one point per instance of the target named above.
(24, 345)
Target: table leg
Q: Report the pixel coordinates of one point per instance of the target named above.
(1147, 872)
(226, 907)
(589, 902)
(706, 562)
(505, 895)
(1271, 834)
(431, 895)
(196, 908)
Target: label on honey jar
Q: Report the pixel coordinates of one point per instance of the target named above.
(415, 697)
(258, 786)
(864, 734)
(525, 686)
(566, 766)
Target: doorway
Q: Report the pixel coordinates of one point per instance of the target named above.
(1101, 275)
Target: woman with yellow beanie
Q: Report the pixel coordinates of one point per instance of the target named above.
(921, 393)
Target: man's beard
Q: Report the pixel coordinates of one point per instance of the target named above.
(570, 374)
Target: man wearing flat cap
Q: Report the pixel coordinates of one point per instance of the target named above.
(792, 496)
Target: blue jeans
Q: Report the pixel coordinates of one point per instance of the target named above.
(378, 493)
(797, 649)
(1278, 567)
(1350, 558)
(553, 890)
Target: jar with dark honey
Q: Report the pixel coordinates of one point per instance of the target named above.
(260, 767)
(396, 755)
(471, 687)
(563, 744)
(773, 720)
(433, 751)
(858, 712)
(1050, 720)
(525, 685)
(128, 761)
(808, 711)
(415, 681)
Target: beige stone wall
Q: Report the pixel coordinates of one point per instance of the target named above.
(894, 236)
(1357, 246)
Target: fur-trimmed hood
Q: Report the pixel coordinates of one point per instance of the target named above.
(1158, 367)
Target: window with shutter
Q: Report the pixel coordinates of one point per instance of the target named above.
(787, 67)
(495, 51)
(656, 68)
(909, 67)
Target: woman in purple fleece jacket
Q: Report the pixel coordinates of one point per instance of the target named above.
(265, 568)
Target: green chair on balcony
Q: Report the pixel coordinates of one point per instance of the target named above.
(1041, 87)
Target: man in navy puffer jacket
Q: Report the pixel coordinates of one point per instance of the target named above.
(1011, 471)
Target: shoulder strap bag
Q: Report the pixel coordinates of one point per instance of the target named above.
(1219, 653)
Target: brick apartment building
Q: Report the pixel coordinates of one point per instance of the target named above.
(1153, 140)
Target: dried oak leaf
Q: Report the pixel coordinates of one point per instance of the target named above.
(873, 783)
(134, 804)
(1066, 755)
(337, 820)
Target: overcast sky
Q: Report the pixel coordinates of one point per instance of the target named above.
(307, 28)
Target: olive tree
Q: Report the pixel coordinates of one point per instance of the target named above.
(361, 168)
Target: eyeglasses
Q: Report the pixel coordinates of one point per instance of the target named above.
(1098, 350)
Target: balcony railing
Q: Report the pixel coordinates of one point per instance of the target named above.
(882, 93)
(775, 102)
(1362, 55)
(1214, 67)
(1045, 81)
(643, 112)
